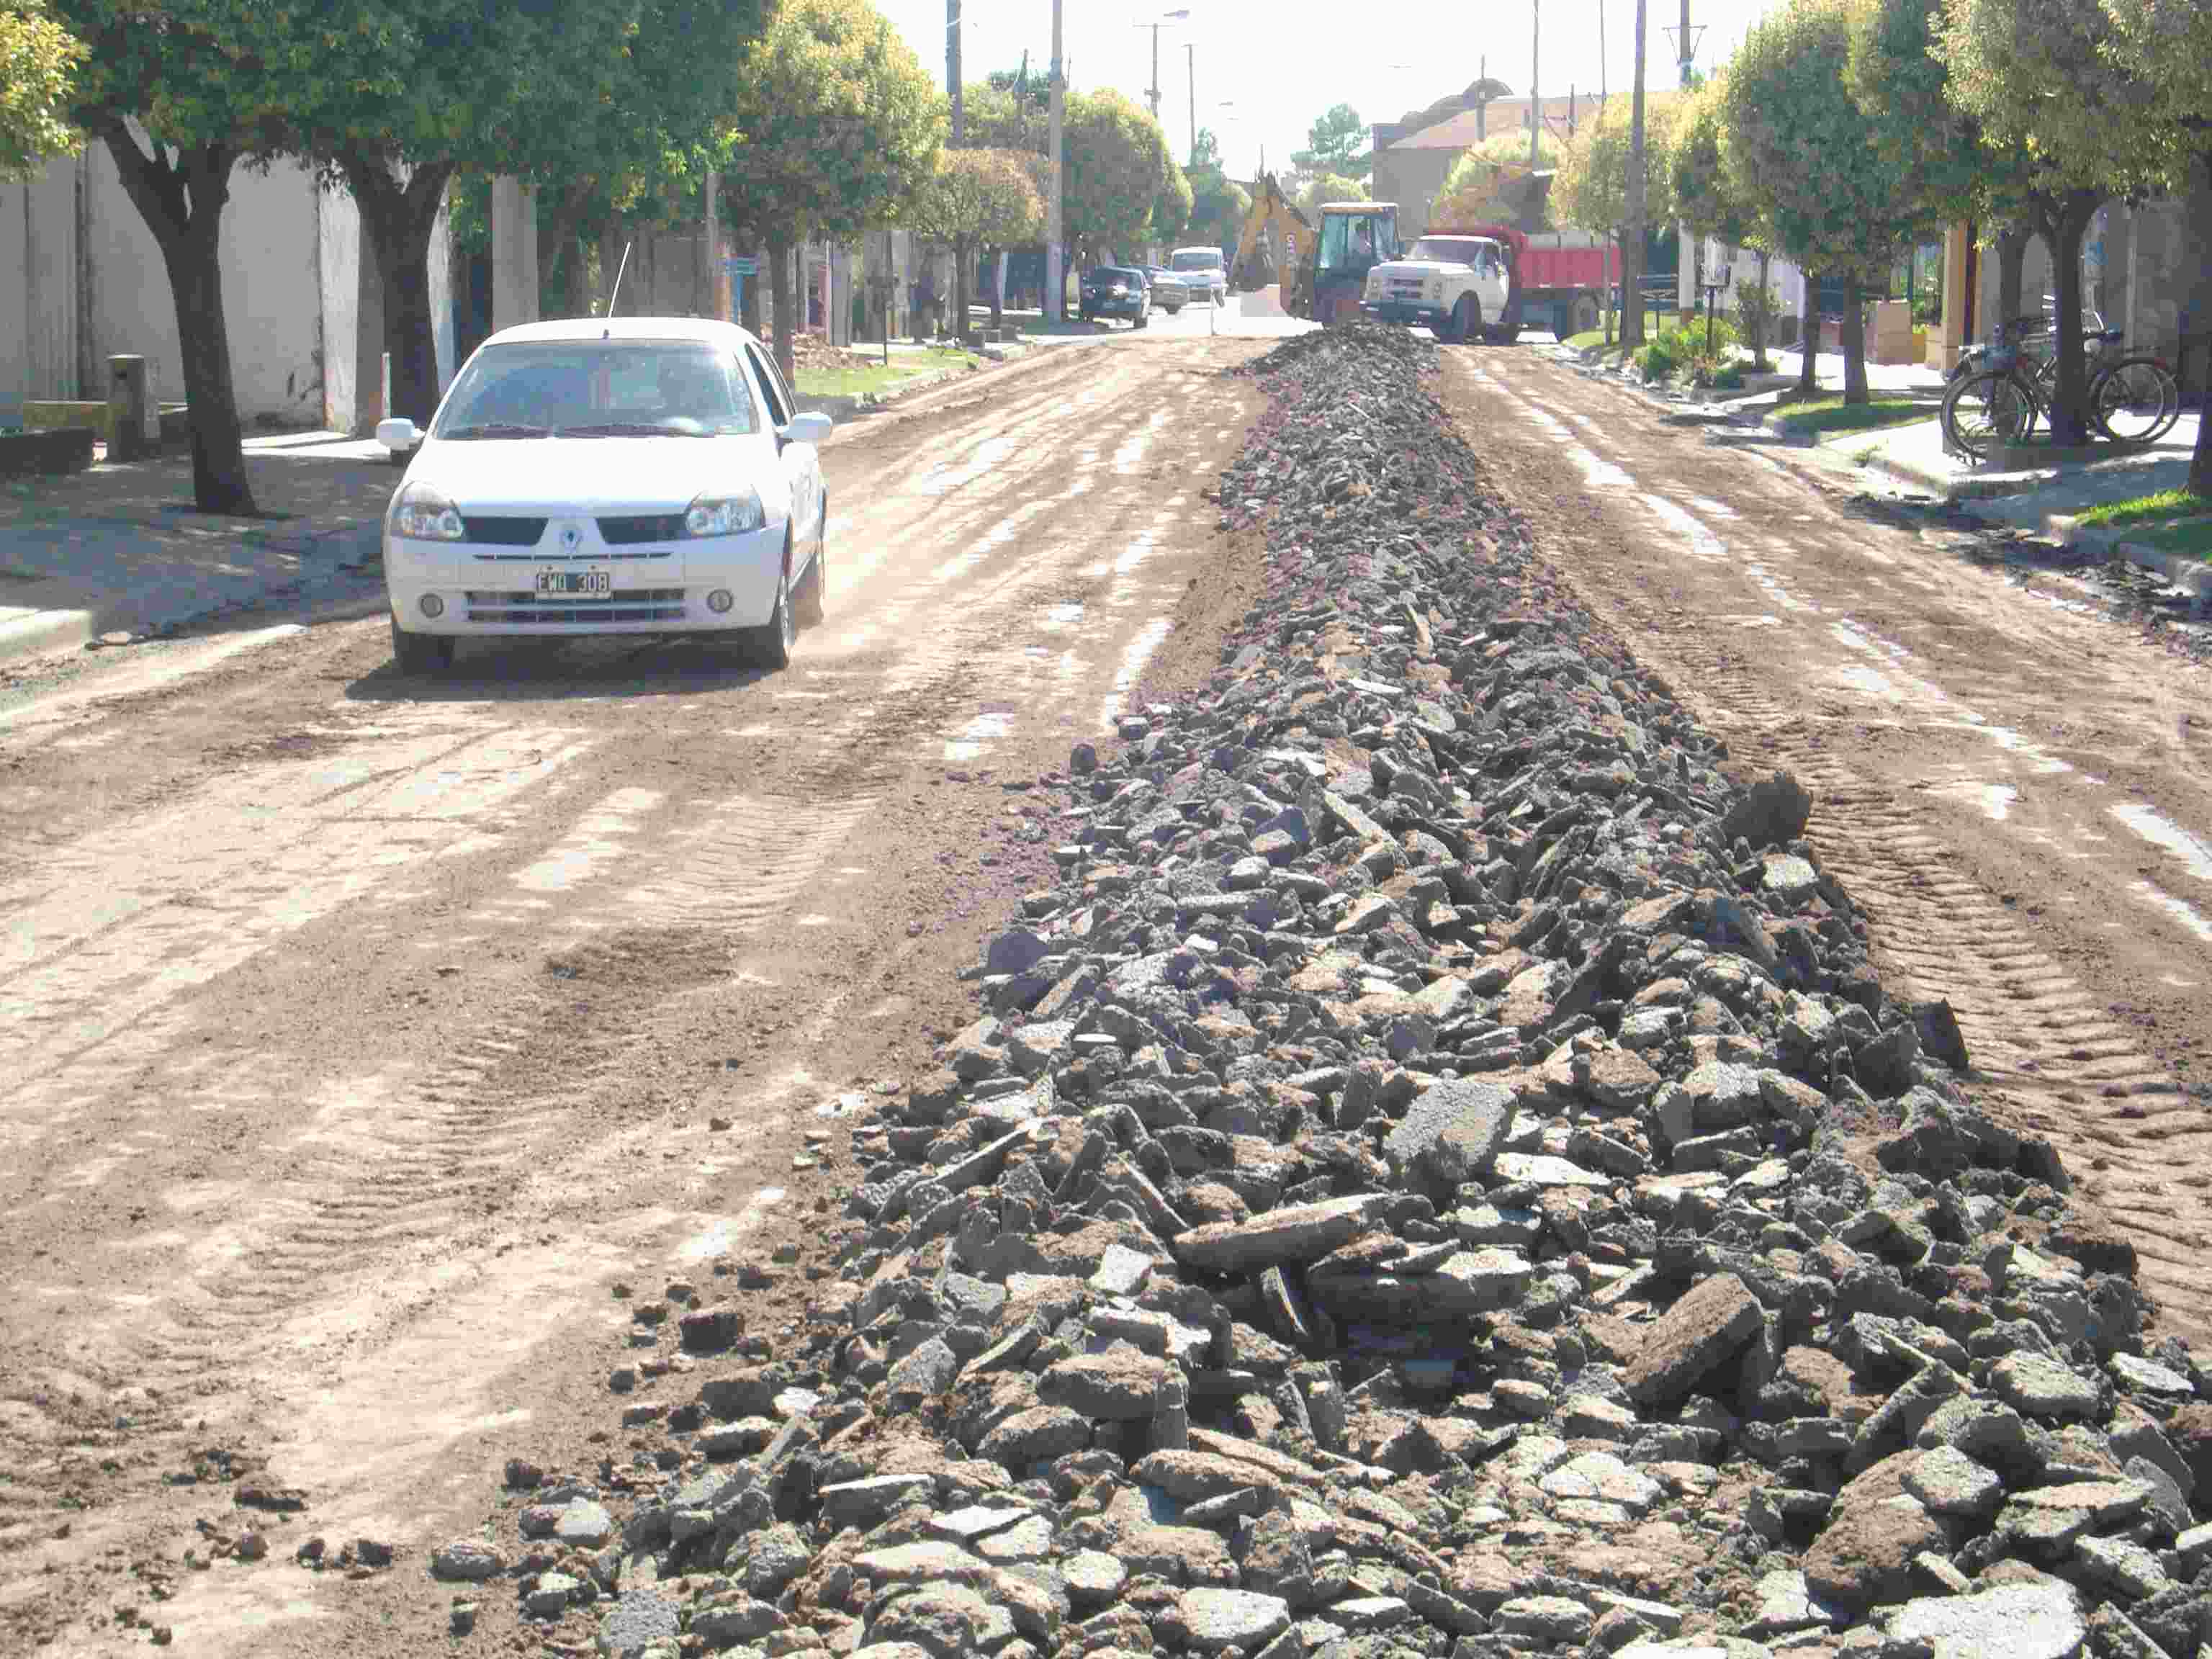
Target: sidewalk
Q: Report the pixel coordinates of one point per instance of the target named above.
(119, 548)
(2036, 488)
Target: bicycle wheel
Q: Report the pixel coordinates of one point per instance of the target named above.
(1987, 410)
(2136, 400)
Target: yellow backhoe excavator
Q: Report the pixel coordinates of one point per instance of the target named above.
(1318, 270)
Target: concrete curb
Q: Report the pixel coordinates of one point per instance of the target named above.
(2192, 574)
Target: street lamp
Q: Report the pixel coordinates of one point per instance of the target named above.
(1179, 15)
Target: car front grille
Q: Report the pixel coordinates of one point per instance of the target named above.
(629, 605)
(493, 531)
(645, 527)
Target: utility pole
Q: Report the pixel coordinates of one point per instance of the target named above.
(952, 90)
(1631, 255)
(1190, 52)
(1155, 94)
(1536, 102)
(1482, 103)
(1055, 279)
(1686, 43)
(1601, 54)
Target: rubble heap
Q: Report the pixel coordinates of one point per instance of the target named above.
(1437, 1176)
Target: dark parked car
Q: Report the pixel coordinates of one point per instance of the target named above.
(1116, 291)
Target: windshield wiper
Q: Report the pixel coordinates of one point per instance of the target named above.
(630, 430)
(498, 430)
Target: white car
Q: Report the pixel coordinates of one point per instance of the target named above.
(1202, 272)
(1456, 284)
(640, 474)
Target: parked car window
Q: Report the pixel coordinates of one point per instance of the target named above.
(674, 386)
(771, 385)
(1196, 259)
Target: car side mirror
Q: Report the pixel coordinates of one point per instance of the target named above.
(397, 433)
(808, 429)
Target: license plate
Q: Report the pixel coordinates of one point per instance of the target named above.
(588, 582)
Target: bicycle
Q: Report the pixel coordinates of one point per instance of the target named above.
(1993, 401)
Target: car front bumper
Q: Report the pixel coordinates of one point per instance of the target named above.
(1401, 311)
(1115, 305)
(483, 593)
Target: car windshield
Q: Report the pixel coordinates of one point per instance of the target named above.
(1197, 260)
(1451, 249)
(598, 389)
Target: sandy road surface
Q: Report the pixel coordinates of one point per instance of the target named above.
(358, 1034)
(2016, 786)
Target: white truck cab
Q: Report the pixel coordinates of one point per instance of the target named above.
(1455, 284)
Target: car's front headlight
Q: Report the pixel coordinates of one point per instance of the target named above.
(425, 514)
(724, 513)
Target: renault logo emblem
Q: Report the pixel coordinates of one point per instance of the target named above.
(570, 536)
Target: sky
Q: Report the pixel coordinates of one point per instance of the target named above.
(1277, 66)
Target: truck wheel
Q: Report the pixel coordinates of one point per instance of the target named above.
(1585, 313)
(1466, 317)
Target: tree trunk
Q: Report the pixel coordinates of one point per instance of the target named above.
(397, 219)
(1855, 373)
(1809, 339)
(1632, 298)
(2063, 221)
(1761, 317)
(998, 286)
(964, 272)
(750, 311)
(182, 204)
(779, 266)
(2012, 256)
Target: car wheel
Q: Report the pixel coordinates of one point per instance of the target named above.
(772, 639)
(1453, 328)
(1144, 319)
(422, 655)
(807, 602)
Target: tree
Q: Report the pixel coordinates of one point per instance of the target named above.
(979, 201)
(1114, 164)
(206, 87)
(1710, 197)
(1591, 186)
(1336, 142)
(1218, 203)
(2054, 80)
(1171, 204)
(599, 106)
(1813, 167)
(1492, 181)
(39, 61)
(838, 124)
(2167, 47)
(1330, 187)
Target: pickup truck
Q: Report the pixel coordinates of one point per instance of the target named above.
(1457, 285)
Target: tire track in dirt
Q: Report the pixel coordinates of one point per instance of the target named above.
(548, 921)
(2047, 1047)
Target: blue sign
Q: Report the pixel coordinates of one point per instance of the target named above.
(742, 267)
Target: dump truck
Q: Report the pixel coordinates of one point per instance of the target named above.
(1559, 275)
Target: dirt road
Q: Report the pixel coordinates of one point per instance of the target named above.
(359, 1035)
(2015, 785)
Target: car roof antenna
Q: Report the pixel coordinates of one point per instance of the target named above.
(620, 271)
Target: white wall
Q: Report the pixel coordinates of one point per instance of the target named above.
(37, 290)
(271, 289)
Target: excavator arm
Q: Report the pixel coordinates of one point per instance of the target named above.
(1285, 227)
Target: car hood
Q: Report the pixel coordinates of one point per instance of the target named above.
(593, 475)
(1418, 267)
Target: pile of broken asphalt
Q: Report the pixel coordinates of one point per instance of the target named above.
(1437, 1176)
